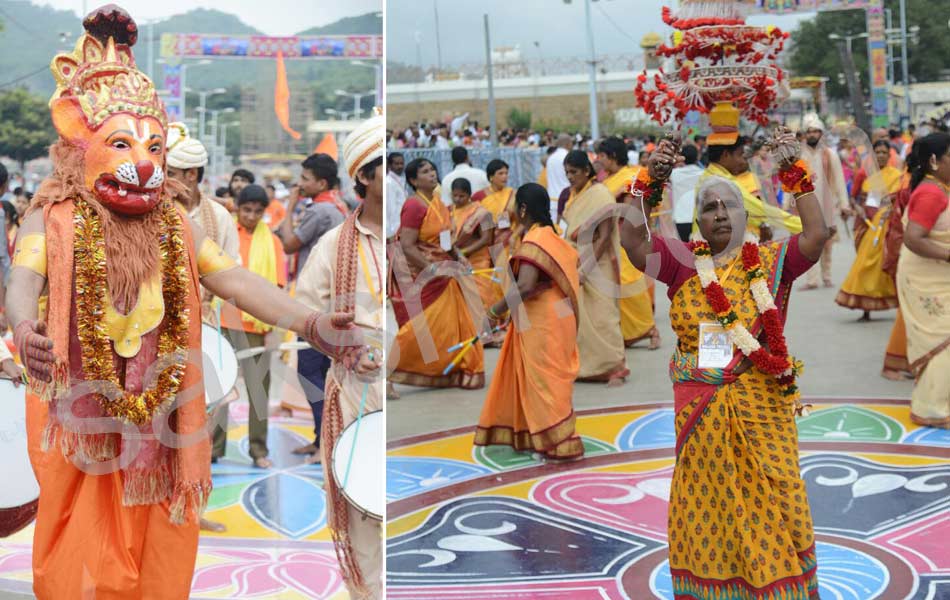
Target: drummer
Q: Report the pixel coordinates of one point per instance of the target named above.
(8, 367)
(345, 269)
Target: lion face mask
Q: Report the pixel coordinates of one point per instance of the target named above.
(106, 106)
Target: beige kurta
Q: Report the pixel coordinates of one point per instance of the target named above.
(316, 287)
(4, 352)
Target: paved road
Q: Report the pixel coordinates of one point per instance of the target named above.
(842, 358)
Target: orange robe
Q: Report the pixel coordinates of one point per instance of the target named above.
(529, 404)
(425, 336)
(87, 543)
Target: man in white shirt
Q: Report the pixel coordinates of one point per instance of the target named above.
(463, 168)
(684, 181)
(395, 191)
(557, 176)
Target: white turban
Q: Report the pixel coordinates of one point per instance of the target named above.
(365, 144)
(182, 150)
(812, 121)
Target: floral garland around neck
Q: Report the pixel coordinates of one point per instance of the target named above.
(92, 296)
(774, 361)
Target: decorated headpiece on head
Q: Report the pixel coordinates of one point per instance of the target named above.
(365, 144)
(182, 150)
(812, 121)
(100, 73)
(714, 58)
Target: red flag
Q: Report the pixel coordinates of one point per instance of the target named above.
(282, 97)
(328, 146)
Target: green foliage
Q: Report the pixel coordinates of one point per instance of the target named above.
(26, 130)
(814, 54)
(519, 119)
(29, 43)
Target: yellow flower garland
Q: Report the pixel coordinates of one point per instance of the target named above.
(97, 363)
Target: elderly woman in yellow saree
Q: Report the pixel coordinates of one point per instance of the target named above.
(739, 522)
(636, 309)
(528, 406)
(428, 301)
(868, 287)
(599, 337)
(923, 279)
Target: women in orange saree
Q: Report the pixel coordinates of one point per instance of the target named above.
(739, 522)
(433, 294)
(528, 406)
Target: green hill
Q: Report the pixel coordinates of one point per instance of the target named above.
(32, 34)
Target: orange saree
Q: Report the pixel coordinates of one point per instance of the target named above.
(528, 406)
(432, 312)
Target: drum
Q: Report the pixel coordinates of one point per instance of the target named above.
(364, 488)
(219, 364)
(20, 491)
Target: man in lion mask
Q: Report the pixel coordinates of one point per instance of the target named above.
(115, 408)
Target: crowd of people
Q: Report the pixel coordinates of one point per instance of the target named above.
(553, 275)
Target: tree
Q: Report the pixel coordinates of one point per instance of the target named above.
(814, 54)
(26, 129)
(519, 119)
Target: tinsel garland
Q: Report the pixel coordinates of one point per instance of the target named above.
(91, 298)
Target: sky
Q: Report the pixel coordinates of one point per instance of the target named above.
(559, 27)
(273, 17)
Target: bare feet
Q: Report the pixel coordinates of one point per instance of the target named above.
(865, 317)
(616, 381)
(262, 462)
(828, 283)
(308, 449)
(892, 375)
(212, 526)
(391, 393)
(809, 286)
(654, 339)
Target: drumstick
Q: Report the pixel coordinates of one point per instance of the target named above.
(356, 432)
(480, 271)
(249, 352)
(466, 346)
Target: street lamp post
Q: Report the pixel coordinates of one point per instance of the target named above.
(203, 97)
(907, 104)
(182, 87)
(224, 137)
(854, 86)
(592, 83)
(378, 82)
(357, 109)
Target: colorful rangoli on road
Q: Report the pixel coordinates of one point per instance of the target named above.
(478, 523)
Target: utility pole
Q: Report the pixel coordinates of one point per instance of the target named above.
(907, 103)
(438, 38)
(594, 129)
(492, 117)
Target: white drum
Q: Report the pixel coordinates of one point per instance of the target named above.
(219, 364)
(364, 488)
(20, 491)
